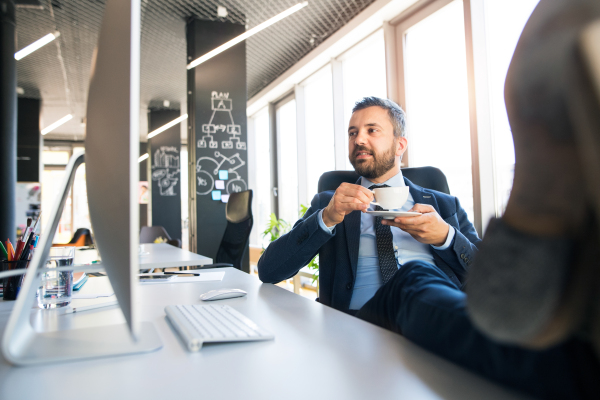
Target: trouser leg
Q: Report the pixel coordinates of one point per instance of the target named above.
(423, 305)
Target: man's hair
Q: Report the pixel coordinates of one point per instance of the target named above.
(395, 112)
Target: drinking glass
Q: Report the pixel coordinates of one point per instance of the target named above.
(57, 286)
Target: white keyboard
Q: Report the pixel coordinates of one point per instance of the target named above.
(213, 323)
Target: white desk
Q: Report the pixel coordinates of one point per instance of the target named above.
(156, 255)
(318, 353)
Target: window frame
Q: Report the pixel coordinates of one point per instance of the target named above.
(276, 159)
(482, 166)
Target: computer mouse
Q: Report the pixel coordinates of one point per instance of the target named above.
(222, 294)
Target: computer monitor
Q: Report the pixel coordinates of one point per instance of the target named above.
(112, 149)
(112, 137)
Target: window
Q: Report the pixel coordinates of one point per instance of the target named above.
(504, 23)
(363, 70)
(51, 184)
(81, 212)
(287, 152)
(437, 103)
(260, 175)
(55, 157)
(76, 212)
(320, 149)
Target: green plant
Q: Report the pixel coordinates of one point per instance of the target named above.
(277, 227)
(314, 263)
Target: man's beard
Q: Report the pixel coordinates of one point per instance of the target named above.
(381, 163)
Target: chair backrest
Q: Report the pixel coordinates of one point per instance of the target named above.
(82, 237)
(234, 244)
(427, 177)
(149, 234)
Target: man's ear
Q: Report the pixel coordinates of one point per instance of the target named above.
(401, 145)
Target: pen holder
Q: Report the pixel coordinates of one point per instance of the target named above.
(12, 284)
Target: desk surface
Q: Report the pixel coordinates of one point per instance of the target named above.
(155, 255)
(318, 353)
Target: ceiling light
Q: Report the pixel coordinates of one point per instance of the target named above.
(36, 45)
(246, 35)
(167, 126)
(143, 157)
(55, 125)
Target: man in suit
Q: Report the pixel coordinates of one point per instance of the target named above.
(358, 253)
(530, 317)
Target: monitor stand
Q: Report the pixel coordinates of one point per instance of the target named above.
(22, 345)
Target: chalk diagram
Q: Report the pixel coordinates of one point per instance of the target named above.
(207, 167)
(165, 169)
(221, 103)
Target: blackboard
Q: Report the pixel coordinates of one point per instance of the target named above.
(217, 118)
(164, 151)
(28, 140)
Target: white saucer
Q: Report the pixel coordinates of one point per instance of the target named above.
(393, 214)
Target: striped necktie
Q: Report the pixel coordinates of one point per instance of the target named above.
(385, 246)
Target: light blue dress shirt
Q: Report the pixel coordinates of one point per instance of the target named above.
(406, 248)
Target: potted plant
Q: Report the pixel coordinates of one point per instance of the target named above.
(277, 227)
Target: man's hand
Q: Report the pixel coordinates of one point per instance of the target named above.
(347, 198)
(428, 228)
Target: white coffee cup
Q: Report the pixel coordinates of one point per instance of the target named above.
(390, 198)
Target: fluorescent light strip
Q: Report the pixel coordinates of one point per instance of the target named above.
(143, 157)
(55, 125)
(167, 126)
(246, 35)
(36, 45)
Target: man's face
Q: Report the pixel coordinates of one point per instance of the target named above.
(372, 147)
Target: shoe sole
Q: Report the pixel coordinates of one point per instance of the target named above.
(585, 110)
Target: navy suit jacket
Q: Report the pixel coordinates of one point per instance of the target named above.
(338, 253)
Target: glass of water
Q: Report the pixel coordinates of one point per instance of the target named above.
(57, 286)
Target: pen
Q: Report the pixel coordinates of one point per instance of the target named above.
(3, 251)
(27, 253)
(10, 250)
(26, 249)
(90, 307)
(19, 249)
(28, 241)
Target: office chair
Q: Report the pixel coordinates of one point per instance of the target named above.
(149, 234)
(427, 177)
(81, 237)
(234, 243)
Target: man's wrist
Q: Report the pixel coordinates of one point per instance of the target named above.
(322, 223)
(326, 220)
(448, 240)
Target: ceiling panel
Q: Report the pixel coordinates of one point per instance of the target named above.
(59, 72)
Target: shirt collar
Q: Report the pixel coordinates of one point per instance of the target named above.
(394, 181)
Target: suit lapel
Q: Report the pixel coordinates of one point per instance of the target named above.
(421, 196)
(352, 226)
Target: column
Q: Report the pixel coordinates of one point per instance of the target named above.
(217, 131)
(164, 150)
(8, 121)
